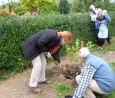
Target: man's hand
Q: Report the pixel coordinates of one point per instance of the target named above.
(105, 12)
(48, 54)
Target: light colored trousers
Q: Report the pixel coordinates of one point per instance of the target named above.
(38, 70)
(92, 87)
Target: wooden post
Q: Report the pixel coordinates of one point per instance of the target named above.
(9, 9)
(81, 44)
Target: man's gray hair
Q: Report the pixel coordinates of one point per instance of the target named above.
(92, 7)
(83, 52)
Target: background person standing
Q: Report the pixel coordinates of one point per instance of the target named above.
(101, 22)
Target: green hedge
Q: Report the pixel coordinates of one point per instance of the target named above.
(14, 30)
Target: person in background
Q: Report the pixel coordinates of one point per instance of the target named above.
(41, 44)
(96, 76)
(101, 23)
(93, 15)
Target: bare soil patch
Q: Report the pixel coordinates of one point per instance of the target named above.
(16, 86)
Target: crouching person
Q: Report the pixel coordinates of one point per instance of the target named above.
(96, 76)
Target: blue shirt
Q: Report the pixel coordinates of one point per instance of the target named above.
(104, 75)
(99, 70)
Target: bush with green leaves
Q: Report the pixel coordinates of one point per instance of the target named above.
(14, 31)
(71, 50)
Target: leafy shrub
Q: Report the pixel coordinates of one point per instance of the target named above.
(14, 30)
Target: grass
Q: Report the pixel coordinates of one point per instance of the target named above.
(60, 89)
(63, 90)
(112, 95)
(113, 66)
(106, 48)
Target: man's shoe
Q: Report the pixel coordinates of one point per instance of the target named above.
(35, 89)
(100, 95)
(101, 48)
(45, 82)
(98, 48)
(103, 96)
(68, 96)
(109, 43)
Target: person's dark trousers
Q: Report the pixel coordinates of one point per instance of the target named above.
(96, 34)
(101, 41)
(108, 40)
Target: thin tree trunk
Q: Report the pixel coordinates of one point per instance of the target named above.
(34, 9)
(9, 9)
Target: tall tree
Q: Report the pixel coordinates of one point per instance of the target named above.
(63, 7)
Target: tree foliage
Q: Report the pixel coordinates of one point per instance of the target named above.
(83, 5)
(34, 5)
(30, 3)
(49, 7)
(63, 7)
